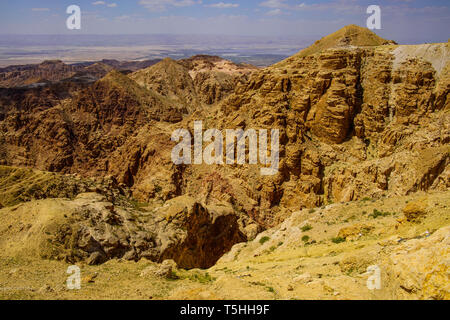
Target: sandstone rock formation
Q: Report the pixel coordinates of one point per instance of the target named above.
(420, 267)
(364, 174)
(331, 249)
(92, 229)
(359, 118)
(52, 71)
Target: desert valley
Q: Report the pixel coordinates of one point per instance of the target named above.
(87, 177)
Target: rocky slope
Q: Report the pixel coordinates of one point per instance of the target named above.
(330, 249)
(315, 254)
(355, 121)
(350, 36)
(90, 228)
(359, 118)
(193, 82)
(55, 70)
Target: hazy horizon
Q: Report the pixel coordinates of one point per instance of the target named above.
(74, 48)
(261, 51)
(405, 21)
(32, 31)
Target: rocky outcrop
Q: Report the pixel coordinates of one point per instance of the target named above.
(92, 229)
(349, 36)
(358, 118)
(171, 80)
(19, 185)
(420, 267)
(215, 78)
(193, 82)
(214, 86)
(77, 131)
(195, 236)
(53, 71)
(353, 124)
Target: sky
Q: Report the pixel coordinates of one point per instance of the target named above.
(406, 21)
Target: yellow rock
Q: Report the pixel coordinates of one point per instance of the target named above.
(354, 232)
(416, 209)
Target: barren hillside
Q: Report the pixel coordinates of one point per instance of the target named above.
(364, 177)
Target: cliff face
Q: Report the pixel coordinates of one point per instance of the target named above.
(358, 117)
(355, 122)
(364, 134)
(193, 82)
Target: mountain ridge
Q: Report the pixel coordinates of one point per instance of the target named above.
(351, 35)
(364, 171)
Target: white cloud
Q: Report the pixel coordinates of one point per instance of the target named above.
(343, 6)
(348, 6)
(222, 5)
(161, 5)
(274, 12)
(274, 4)
(103, 3)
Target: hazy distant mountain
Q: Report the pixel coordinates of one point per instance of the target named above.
(55, 70)
(260, 51)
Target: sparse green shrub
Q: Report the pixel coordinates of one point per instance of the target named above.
(305, 238)
(337, 240)
(376, 213)
(306, 228)
(264, 240)
(201, 277)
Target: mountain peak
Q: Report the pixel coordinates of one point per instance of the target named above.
(50, 62)
(351, 35)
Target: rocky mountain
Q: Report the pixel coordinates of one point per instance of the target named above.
(360, 119)
(350, 36)
(355, 122)
(52, 71)
(195, 81)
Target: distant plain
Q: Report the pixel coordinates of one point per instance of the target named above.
(260, 51)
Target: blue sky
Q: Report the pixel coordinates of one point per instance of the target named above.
(402, 20)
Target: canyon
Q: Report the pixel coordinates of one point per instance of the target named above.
(87, 175)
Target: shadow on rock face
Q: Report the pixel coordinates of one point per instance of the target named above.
(91, 229)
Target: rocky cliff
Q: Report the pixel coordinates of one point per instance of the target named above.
(51, 71)
(356, 121)
(360, 118)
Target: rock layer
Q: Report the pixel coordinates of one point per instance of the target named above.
(364, 118)
(92, 229)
